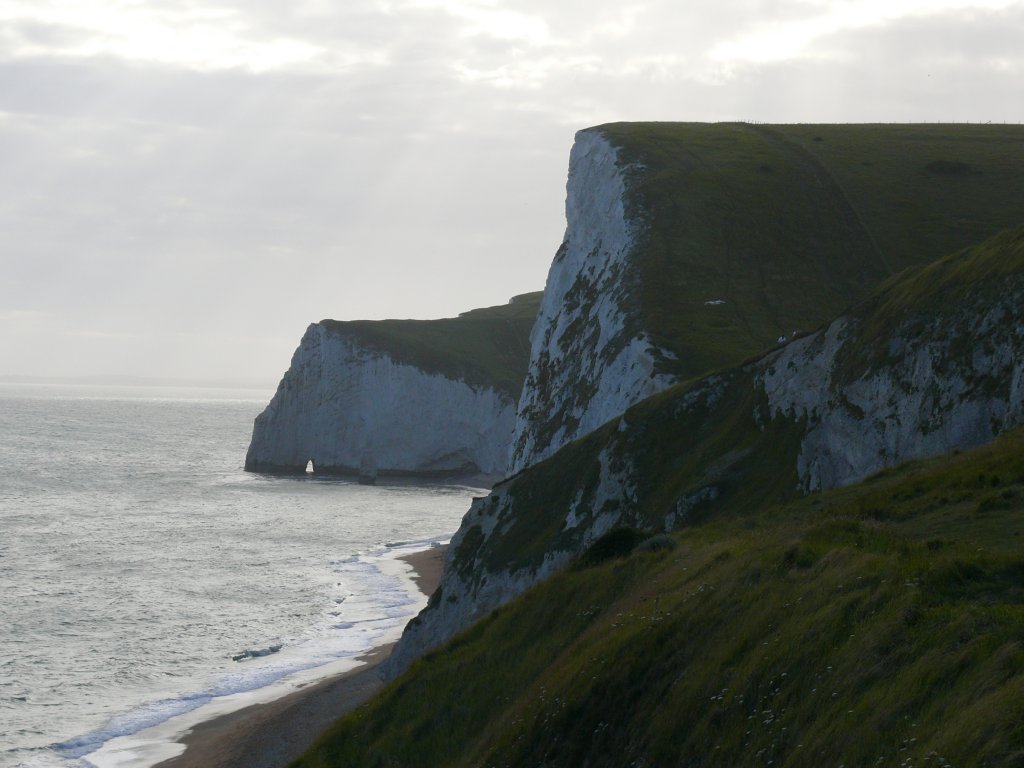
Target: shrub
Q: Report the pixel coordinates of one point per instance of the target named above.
(618, 542)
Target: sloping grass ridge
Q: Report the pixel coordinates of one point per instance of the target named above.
(880, 624)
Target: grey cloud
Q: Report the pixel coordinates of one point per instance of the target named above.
(18, 34)
(968, 40)
(230, 204)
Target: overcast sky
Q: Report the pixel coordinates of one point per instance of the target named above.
(185, 184)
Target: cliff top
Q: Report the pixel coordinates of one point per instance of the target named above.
(488, 346)
(754, 231)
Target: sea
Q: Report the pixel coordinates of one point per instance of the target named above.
(147, 581)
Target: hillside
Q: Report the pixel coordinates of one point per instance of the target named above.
(400, 397)
(692, 247)
(879, 624)
(932, 362)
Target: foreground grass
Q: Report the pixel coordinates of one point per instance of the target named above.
(881, 624)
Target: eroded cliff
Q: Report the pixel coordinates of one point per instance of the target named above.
(399, 397)
(590, 360)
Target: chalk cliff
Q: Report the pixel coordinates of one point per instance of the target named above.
(932, 362)
(690, 247)
(590, 359)
(399, 397)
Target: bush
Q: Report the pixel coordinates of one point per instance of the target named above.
(618, 542)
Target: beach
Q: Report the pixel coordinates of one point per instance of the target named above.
(270, 735)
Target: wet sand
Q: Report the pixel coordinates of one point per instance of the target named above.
(271, 735)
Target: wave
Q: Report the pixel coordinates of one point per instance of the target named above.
(376, 610)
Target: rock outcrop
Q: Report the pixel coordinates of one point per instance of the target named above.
(590, 359)
(399, 397)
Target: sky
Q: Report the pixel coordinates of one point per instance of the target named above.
(185, 185)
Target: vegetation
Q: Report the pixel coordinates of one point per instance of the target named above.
(489, 347)
(880, 624)
(971, 280)
(787, 225)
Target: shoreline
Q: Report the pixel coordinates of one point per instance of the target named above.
(271, 734)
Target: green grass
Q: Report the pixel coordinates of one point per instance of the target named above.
(916, 213)
(790, 224)
(488, 347)
(871, 625)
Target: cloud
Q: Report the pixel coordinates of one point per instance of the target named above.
(172, 33)
(793, 38)
(16, 318)
(249, 167)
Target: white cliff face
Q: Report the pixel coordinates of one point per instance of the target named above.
(589, 359)
(344, 407)
(933, 398)
(472, 585)
(468, 590)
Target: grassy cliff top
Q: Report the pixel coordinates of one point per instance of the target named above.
(789, 224)
(880, 624)
(488, 347)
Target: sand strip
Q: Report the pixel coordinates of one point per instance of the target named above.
(272, 734)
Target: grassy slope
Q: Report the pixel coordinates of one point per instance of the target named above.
(484, 346)
(983, 272)
(866, 626)
(788, 229)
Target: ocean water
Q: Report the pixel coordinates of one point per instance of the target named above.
(137, 559)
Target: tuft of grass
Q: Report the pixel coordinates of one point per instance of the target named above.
(660, 542)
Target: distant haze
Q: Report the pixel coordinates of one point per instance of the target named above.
(185, 187)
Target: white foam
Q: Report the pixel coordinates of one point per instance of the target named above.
(375, 615)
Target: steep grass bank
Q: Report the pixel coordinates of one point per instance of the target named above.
(880, 624)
